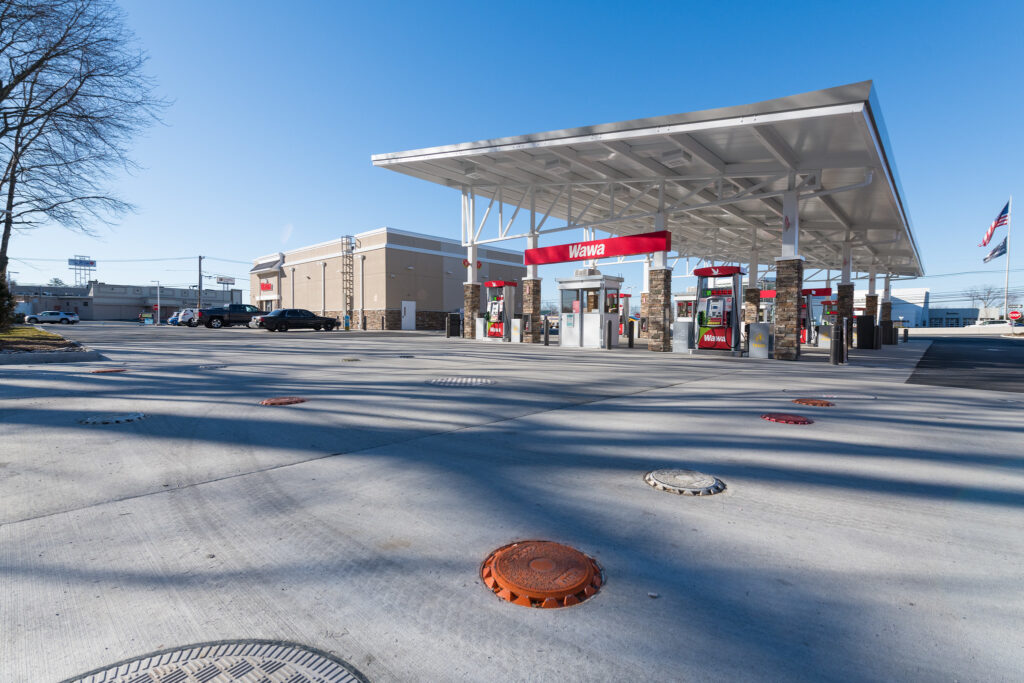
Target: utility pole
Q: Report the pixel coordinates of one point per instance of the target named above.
(199, 290)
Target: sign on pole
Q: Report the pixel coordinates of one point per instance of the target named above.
(225, 280)
(1014, 315)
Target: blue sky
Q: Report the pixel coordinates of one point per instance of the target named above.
(278, 107)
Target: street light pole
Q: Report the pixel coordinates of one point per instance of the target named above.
(159, 311)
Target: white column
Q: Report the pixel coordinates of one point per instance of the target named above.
(471, 255)
(871, 282)
(532, 242)
(847, 259)
(790, 226)
(647, 272)
(887, 289)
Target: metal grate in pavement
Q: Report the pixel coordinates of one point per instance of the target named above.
(229, 662)
(461, 381)
(111, 419)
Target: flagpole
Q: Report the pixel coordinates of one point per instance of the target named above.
(1006, 285)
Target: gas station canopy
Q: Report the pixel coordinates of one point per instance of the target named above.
(715, 179)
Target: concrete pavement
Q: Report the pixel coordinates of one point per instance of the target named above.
(884, 541)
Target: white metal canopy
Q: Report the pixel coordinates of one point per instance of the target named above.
(720, 180)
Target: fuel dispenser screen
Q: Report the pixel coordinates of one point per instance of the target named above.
(496, 317)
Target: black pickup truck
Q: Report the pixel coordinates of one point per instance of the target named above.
(226, 315)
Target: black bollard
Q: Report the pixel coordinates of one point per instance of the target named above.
(447, 326)
(382, 322)
(608, 335)
(546, 326)
(629, 333)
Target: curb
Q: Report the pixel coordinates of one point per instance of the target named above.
(33, 357)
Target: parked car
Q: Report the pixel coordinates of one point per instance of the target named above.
(226, 315)
(173, 320)
(52, 317)
(284, 319)
(186, 316)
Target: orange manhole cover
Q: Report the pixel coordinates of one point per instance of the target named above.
(541, 574)
(282, 401)
(817, 402)
(786, 418)
(106, 370)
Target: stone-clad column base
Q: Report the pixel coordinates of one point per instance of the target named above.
(751, 304)
(886, 314)
(789, 279)
(471, 308)
(645, 311)
(871, 306)
(531, 309)
(659, 297)
(845, 305)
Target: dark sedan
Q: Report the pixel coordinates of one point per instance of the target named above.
(284, 319)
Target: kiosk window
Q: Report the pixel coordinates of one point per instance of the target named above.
(569, 297)
(611, 301)
(592, 299)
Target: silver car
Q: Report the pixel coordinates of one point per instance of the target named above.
(52, 317)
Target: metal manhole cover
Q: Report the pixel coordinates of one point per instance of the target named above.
(229, 662)
(541, 574)
(111, 419)
(786, 418)
(105, 371)
(816, 402)
(836, 395)
(406, 356)
(282, 401)
(685, 482)
(462, 381)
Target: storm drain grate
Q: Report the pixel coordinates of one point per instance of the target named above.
(106, 371)
(229, 662)
(685, 482)
(406, 356)
(816, 402)
(282, 401)
(462, 381)
(111, 419)
(786, 418)
(350, 360)
(541, 574)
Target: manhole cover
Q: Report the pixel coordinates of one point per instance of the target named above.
(541, 574)
(350, 360)
(816, 402)
(684, 482)
(786, 418)
(407, 356)
(111, 419)
(105, 371)
(229, 662)
(282, 401)
(462, 381)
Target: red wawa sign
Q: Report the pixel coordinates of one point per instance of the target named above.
(616, 246)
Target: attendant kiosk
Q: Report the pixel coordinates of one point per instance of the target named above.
(716, 324)
(499, 322)
(590, 301)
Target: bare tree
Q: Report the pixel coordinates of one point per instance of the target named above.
(985, 296)
(72, 97)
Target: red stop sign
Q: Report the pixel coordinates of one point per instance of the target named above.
(155, 307)
(1014, 315)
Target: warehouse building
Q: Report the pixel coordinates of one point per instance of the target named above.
(102, 301)
(395, 279)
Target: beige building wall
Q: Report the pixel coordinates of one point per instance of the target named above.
(389, 267)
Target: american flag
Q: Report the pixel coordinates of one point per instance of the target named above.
(1002, 219)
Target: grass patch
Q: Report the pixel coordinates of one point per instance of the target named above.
(29, 338)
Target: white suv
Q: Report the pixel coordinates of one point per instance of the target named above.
(187, 316)
(52, 317)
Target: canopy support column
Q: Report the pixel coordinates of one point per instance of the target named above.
(789, 280)
(845, 296)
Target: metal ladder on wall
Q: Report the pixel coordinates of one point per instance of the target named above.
(347, 275)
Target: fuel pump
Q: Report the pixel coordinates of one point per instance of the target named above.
(623, 313)
(717, 321)
(807, 331)
(500, 310)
